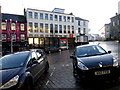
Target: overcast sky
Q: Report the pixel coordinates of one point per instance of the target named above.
(98, 12)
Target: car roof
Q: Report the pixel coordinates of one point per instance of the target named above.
(86, 45)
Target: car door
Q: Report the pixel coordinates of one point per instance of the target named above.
(41, 59)
(33, 66)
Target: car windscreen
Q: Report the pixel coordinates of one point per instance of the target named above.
(13, 60)
(90, 51)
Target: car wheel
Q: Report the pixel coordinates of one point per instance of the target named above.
(47, 68)
(28, 85)
(75, 73)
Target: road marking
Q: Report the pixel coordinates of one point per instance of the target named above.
(54, 68)
(67, 65)
(47, 82)
(51, 74)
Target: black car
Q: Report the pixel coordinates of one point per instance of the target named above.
(93, 62)
(21, 70)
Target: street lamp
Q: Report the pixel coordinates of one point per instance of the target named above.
(11, 38)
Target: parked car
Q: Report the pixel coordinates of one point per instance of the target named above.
(21, 70)
(52, 49)
(93, 62)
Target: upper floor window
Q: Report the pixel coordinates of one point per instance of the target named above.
(41, 15)
(41, 28)
(64, 18)
(36, 15)
(51, 28)
(35, 27)
(113, 23)
(4, 36)
(51, 17)
(64, 28)
(13, 26)
(56, 17)
(79, 30)
(60, 28)
(60, 18)
(13, 36)
(22, 27)
(78, 23)
(84, 31)
(72, 19)
(22, 36)
(68, 19)
(72, 29)
(46, 28)
(56, 28)
(84, 23)
(3, 26)
(46, 16)
(68, 28)
(30, 27)
(30, 15)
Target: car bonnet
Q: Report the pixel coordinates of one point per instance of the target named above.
(97, 61)
(8, 74)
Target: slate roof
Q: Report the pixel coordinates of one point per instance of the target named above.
(14, 17)
(78, 18)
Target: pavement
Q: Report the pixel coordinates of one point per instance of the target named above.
(60, 75)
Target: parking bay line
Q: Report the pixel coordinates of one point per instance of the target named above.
(51, 74)
(47, 82)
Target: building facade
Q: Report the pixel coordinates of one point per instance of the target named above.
(115, 27)
(107, 31)
(119, 7)
(81, 30)
(0, 34)
(14, 32)
(50, 28)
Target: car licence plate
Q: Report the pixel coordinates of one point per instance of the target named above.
(102, 72)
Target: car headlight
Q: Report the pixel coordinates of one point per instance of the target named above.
(82, 66)
(10, 83)
(115, 62)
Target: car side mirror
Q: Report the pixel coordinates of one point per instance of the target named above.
(72, 56)
(109, 52)
(35, 61)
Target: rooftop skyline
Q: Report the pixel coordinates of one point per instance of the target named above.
(98, 12)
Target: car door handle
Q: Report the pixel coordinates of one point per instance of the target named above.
(40, 60)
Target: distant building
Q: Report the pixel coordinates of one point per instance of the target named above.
(0, 34)
(107, 31)
(115, 27)
(119, 7)
(14, 32)
(50, 28)
(81, 30)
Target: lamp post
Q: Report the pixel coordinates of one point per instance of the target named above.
(11, 38)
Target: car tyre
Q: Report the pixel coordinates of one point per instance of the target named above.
(28, 85)
(47, 68)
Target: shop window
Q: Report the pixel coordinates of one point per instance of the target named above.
(30, 40)
(36, 41)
